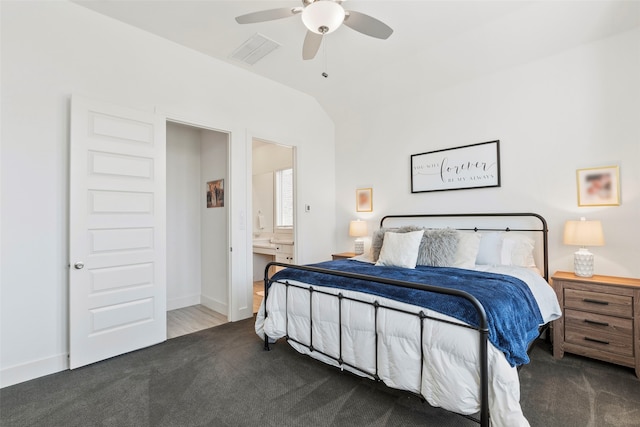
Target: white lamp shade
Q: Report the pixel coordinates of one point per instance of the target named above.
(357, 228)
(583, 233)
(323, 16)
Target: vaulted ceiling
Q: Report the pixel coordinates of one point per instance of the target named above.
(441, 42)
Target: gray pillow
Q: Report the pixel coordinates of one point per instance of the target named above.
(438, 248)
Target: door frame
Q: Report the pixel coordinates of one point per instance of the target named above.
(207, 126)
(294, 153)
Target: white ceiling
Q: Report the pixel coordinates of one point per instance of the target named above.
(434, 43)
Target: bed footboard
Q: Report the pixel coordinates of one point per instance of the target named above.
(482, 328)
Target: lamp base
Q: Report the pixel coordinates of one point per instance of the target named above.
(583, 263)
(359, 247)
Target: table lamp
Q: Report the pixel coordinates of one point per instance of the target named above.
(358, 229)
(583, 233)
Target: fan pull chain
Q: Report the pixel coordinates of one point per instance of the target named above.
(324, 53)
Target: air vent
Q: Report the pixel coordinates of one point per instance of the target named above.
(254, 49)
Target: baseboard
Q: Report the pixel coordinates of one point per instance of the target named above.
(38, 368)
(215, 305)
(181, 302)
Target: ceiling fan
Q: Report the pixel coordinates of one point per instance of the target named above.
(322, 17)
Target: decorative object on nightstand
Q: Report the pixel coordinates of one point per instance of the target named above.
(583, 233)
(601, 318)
(358, 229)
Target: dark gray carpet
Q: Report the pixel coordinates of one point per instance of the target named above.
(578, 392)
(222, 377)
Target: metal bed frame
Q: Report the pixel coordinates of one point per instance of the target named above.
(482, 328)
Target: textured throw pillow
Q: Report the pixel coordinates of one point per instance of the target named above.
(400, 249)
(438, 248)
(376, 242)
(490, 250)
(467, 250)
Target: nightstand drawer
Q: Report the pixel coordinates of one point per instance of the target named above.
(611, 334)
(598, 302)
(614, 345)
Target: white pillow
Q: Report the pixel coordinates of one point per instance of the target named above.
(490, 250)
(400, 249)
(467, 250)
(517, 249)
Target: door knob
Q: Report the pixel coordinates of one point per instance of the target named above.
(78, 265)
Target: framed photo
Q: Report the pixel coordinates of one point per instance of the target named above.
(599, 186)
(215, 193)
(364, 200)
(459, 168)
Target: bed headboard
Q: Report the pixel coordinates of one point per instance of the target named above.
(532, 224)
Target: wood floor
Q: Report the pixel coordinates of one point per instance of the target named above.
(191, 319)
(258, 294)
(198, 317)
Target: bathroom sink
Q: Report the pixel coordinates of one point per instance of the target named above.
(263, 243)
(282, 241)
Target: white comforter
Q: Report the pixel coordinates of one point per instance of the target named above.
(450, 376)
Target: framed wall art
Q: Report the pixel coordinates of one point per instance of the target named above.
(364, 200)
(599, 186)
(459, 168)
(215, 193)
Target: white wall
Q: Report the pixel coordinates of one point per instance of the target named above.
(270, 157)
(51, 50)
(184, 230)
(263, 204)
(577, 109)
(215, 222)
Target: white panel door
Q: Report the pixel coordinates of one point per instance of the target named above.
(117, 213)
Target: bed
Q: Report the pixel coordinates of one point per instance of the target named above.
(445, 306)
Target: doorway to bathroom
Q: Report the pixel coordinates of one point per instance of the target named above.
(273, 209)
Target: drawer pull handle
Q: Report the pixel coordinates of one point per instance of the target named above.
(595, 301)
(595, 322)
(595, 340)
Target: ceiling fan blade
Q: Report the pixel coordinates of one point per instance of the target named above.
(312, 42)
(268, 15)
(368, 25)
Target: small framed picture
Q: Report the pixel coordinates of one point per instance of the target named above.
(215, 193)
(599, 186)
(364, 200)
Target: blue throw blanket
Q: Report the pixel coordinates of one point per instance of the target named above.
(512, 312)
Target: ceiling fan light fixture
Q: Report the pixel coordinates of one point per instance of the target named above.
(323, 16)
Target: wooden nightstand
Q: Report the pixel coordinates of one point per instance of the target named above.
(343, 255)
(601, 318)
